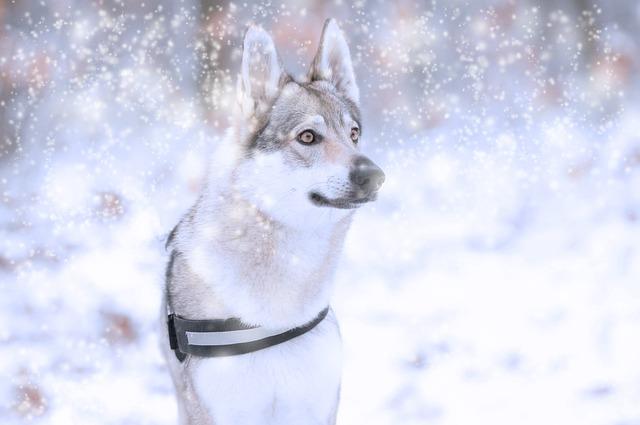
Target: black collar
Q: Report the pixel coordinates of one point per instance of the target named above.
(230, 337)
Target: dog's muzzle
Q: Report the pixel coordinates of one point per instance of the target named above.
(366, 179)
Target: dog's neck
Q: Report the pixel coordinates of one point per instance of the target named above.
(244, 264)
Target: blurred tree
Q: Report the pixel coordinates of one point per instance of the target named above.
(215, 57)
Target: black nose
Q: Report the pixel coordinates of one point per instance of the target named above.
(366, 175)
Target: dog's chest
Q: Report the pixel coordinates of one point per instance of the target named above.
(283, 288)
(289, 384)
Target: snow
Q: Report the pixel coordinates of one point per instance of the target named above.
(495, 280)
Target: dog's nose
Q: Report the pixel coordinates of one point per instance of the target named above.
(366, 175)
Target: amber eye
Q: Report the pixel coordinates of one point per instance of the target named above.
(355, 134)
(307, 137)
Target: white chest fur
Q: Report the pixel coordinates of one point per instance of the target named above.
(238, 266)
(264, 274)
(293, 383)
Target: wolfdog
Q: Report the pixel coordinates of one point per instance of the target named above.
(247, 331)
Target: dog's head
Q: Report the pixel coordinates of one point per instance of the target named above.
(301, 140)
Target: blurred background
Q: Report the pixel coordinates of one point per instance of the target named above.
(497, 280)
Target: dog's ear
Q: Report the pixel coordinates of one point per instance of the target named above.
(333, 62)
(261, 75)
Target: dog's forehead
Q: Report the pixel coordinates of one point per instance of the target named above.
(303, 101)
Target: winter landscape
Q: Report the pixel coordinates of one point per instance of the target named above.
(495, 281)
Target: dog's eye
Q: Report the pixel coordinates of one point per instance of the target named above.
(307, 137)
(355, 134)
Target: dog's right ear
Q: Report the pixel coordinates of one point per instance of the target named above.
(333, 61)
(261, 76)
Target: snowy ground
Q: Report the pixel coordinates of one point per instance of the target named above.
(495, 281)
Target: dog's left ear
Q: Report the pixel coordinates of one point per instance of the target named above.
(333, 62)
(262, 75)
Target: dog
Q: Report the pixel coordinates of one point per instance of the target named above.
(256, 254)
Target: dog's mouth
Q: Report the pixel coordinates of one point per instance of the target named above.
(342, 203)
